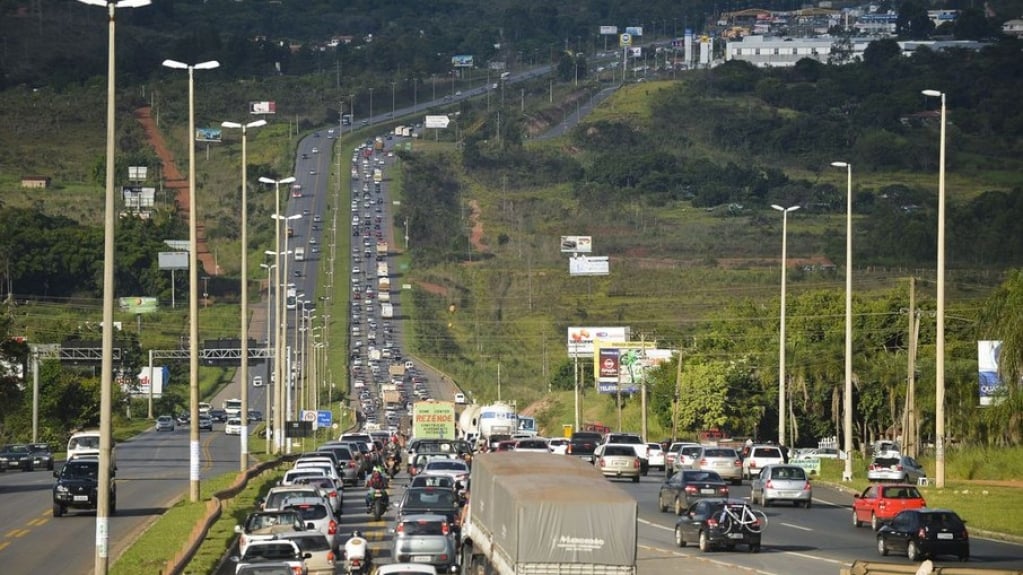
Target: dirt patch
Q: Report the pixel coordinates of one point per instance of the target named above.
(536, 407)
(433, 289)
(177, 183)
(476, 236)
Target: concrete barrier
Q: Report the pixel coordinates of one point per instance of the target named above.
(925, 568)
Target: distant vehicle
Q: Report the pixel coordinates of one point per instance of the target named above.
(425, 538)
(316, 150)
(165, 423)
(681, 490)
(460, 398)
(619, 461)
(505, 75)
(205, 423)
(922, 533)
(257, 381)
(895, 467)
(233, 426)
(296, 190)
(760, 456)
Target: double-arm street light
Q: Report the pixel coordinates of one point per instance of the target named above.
(939, 343)
(193, 279)
(847, 401)
(244, 341)
(280, 306)
(101, 563)
(781, 334)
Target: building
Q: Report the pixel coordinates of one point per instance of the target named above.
(35, 181)
(774, 52)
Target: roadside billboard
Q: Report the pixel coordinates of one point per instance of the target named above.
(139, 305)
(461, 61)
(437, 121)
(609, 30)
(988, 352)
(262, 107)
(582, 265)
(626, 364)
(580, 339)
(634, 30)
(211, 134)
(580, 244)
(157, 378)
(173, 260)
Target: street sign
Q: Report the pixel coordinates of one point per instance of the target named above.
(437, 121)
(324, 418)
(625, 40)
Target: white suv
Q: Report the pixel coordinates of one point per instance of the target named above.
(760, 456)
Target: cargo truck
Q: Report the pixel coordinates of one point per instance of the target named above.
(382, 270)
(378, 175)
(386, 311)
(384, 296)
(383, 284)
(432, 419)
(381, 248)
(531, 513)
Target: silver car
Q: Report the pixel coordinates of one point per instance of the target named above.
(782, 483)
(619, 461)
(897, 468)
(724, 460)
(425, 538)
(317, 550)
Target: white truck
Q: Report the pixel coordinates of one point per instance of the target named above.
(522, 520)
(382, 270)
(299, 254)
(386, 310)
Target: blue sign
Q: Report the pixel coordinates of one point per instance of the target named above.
(612, 387)
(324, 418)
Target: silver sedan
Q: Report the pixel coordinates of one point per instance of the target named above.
(782, 483)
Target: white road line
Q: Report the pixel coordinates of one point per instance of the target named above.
(657, 525)
(800, 527)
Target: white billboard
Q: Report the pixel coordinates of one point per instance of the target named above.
(576, 244)
(173, 260)
(609, 29)
(437, 121)
(582, 265)
(262, 107)
(580, 339)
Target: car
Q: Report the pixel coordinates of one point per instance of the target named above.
(782, 483)
(317, 550)
(724, 460)
(265, 568)
(895, 467)
(456, 469)
(679, 491)
(633, 439)
(277, 498)
(265, 525)
(760, 456)
(317, 515)
(880, 503)
(618, 461)
(655, 456)
(429, 500)
(425, 538)
(533, 444)
(331, 489)
(441, 481)
(257, 381)
(681, 456)
(558, 445)
(406, 569)
(233, 426)
(720, 523)
(312, 172)
(205, 423)
(273, 550)
(925, 533)
(255, 415)
(315, 150)
(77, 486)
(165, 423)
(16, 456)
(41, 456)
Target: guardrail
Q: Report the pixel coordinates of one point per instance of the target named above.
(926, 568)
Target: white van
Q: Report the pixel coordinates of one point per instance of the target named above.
(86, 444)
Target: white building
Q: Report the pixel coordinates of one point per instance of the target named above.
(773, 52)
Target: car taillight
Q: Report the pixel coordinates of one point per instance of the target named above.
(351, 465)
(568, 449)
(723, 491)
(806, 486)
(703, 462)
(600, 462)
(691, 489)
(752, 464)
(330, 557)
(356, 563)
(768, 485)
(332, 494)
(400, 528)
(444, 529)
(332, 527)
(737, 463)
(922, 534)
(297, 569)
(635, 463)
(712, 523)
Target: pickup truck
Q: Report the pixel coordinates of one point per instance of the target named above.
(583, 444)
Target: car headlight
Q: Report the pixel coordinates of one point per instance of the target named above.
(62, 489)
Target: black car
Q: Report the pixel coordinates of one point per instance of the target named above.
(720, 523)
(77, 486)
(218, 415)
(16, 456)
(679, 491)
(438, 500)
(924, 532)
(42, 456)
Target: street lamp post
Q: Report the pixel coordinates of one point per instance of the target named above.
(939, 344)
(351, 112)
(101, 563)
(277, 421)
(847, 400)
(244, 341)
(193, 279)
(267, 421)
(371, 106)
(392, 99)
(781, 331)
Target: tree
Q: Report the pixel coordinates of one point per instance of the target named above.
(913, 23)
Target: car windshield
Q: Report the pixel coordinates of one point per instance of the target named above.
(720, 453)
(430, 497)
(788, 473)
(688, 476)
(311, 512)
(17, 449)
(81, 469)
(422, 528)
(446, 464)
(312, 542)
(941, 520)
(269, 551)
(619, 450)
(266, 520)
(904, 492)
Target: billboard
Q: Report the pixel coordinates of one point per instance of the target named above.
(580, 339)
(988, 352)
(138, 305)
(634, 30)
(262, 107)
(625, 364)
(173, 260)
(157, 378)
(636, 52)
(583, 244)
(609, 29)
(581, 265)
(461, 61)
(437, 121)
(211, 134)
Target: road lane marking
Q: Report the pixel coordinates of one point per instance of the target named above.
(38, 521)
(800, 527)
(4, 544)
(14, 533)
(657, 525)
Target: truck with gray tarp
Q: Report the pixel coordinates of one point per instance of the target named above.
(534, 514)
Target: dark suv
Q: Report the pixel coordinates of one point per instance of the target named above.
(582, 445)
(77, 486)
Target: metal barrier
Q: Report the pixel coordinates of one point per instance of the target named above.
(926, 568)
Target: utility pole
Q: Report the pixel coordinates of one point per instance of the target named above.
(909, 418)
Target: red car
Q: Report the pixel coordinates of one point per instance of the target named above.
(880, 503)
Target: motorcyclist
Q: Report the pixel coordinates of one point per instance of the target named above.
(357, 548)
(376, 481)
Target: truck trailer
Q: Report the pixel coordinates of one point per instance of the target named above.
(533, 514)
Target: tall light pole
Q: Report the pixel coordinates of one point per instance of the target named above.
(351, 112)
(392, 99)
(781, 331)
(939, 344)
(371, 105)
(193, 280)
(267, 419)
(278, 425)
(107, 370)
(244, 341)
(847, 400)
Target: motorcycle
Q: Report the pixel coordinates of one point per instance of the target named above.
(378, 503)
(357, 560)
(392, 466)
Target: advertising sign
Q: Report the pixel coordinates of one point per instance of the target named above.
(437, 121)
(581, 265)
(636, 52)
(580, 339)
(608, 363)
(173, 260)
(461, 61)
(157, 378)
(634, 30)
(211, 134)
(626, 364)
(581, 244)
(262, 107)
(433, 419)
(609, 29)
(138, 305)
(987, 367)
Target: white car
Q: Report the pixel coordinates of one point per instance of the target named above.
(292, 476)
(257, 381)
(453, 468)
(317, 511)
(233, 426)
(559, 445)
(655, 454)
